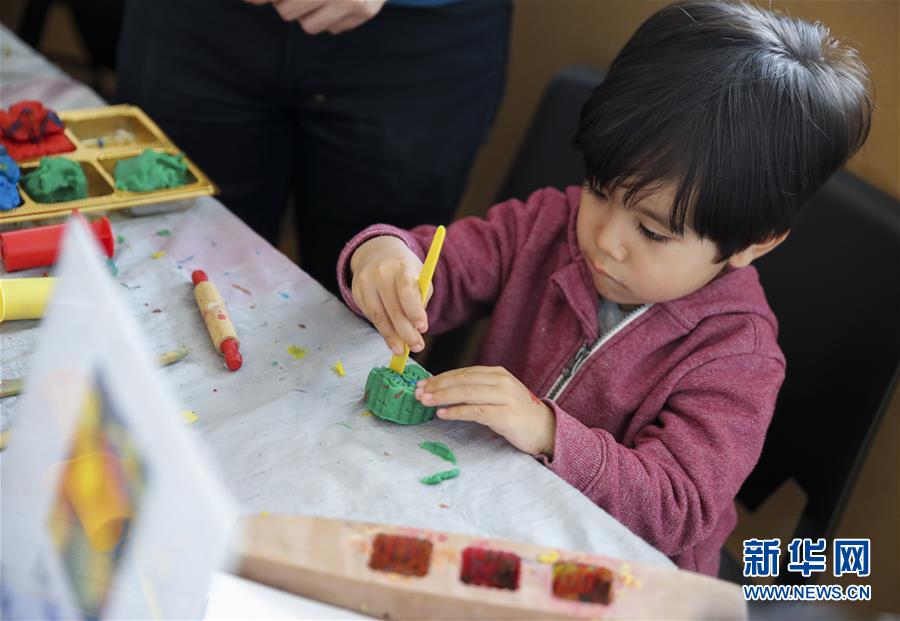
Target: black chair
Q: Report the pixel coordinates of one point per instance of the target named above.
(835, 288)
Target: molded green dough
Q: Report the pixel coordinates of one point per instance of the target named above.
(440, 449)
(56, 180)
(151, 170)
(392, 397)
(437, 477)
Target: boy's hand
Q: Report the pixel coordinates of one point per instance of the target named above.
(493, 397)
(386, 288)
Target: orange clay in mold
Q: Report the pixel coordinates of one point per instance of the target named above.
(583, 583)
(400, 555)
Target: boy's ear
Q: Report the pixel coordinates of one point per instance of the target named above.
(749, 254)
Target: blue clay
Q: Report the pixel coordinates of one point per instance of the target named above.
(9, 177)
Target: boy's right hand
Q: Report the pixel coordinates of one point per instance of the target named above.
(386, 288)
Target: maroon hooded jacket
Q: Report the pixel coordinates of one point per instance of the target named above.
(659, 421)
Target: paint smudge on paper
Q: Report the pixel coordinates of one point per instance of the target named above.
(240, 288)
(286, 296)
(113, 268)
(158, 254)
(163, 232)
(366, 413)
(189, 416)
(339, 369)
(297, 352)
(156, 310)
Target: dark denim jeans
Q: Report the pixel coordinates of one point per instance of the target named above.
(378, 124)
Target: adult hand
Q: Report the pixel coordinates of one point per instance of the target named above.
(386, 288)
(492, 396)
(334, 16)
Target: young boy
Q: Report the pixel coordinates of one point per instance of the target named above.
(631, 348)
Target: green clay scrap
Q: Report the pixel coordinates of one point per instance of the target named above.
(437, 477)
(151, 170)
(56, 180)
(391, 396)
(440, 449)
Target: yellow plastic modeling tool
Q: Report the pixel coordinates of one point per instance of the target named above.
(398, 363)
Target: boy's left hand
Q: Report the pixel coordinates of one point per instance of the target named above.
(493, 397)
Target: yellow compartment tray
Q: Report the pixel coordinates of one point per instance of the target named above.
(123, 131)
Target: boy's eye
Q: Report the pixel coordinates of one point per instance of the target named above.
(651, 235)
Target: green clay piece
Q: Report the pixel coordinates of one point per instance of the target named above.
(151, 170)
(437, 477)
(440, 449)
(391, 396)
(56, 180)
(163, 232)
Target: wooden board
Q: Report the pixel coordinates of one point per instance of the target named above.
(332, 561)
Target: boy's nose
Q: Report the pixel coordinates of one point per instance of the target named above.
(609, 242)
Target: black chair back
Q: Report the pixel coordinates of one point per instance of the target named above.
(835, 287)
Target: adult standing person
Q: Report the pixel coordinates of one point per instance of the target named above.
(368, 111)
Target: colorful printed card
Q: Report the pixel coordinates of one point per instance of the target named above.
(109, 508)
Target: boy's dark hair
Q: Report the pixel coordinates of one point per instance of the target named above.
(746, 110)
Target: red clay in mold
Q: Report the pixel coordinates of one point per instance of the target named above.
(490, 568)
(400, 555)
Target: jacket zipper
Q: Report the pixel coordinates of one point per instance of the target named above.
(587, 350)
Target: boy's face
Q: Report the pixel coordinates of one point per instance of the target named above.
(633, 256)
